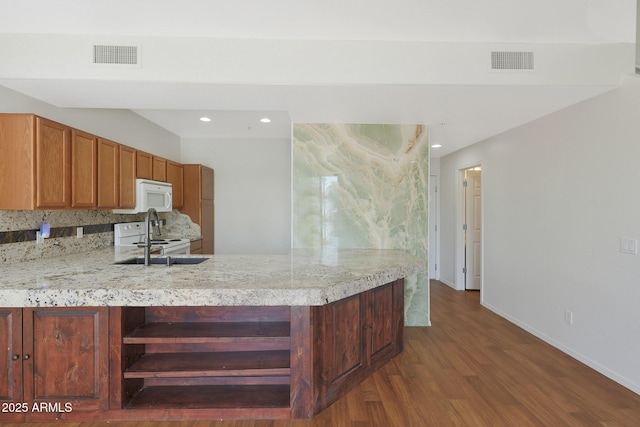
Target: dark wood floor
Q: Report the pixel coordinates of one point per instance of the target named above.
(471, 368)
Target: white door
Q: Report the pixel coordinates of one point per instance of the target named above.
(473, 226)
(433, 227)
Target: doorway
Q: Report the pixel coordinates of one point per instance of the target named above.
(434, 236)
(472, 228)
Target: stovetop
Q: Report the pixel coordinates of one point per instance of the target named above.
(133, 233)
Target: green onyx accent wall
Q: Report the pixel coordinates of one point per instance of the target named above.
(364, 186)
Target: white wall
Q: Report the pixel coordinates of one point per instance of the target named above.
(252, 192)
(559, 193)
(122, 126)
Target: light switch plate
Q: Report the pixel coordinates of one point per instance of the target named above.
(629, 246)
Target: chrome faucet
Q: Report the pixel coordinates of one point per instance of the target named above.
(148, 235)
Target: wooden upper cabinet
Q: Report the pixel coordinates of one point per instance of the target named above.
(84, 169)
(159, 169)
(108, 174)
(17, 161)
(144, 165)
(53, 164)
(47, 165)
(127, 177)
(175, 176)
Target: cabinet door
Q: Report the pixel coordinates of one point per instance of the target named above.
(108, 174)
(380, 331)
(207, 228)
(207, 211)
(159, 169)
(17, 161)
(53, 164)
(11, 355)
(342, 351)
(175, 175)
(198, 202)
(84, 170)
(144, 165)
(127, 177)
(65, 356)
(196, 247)
(207, 183)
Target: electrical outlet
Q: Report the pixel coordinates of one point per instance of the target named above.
(79, 232)
(568, 317)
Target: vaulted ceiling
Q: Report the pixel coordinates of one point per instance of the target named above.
(356, 61)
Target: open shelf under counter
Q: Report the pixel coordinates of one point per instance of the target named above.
(218, 362)
(211, 397)
(211, 364)
(221, 332)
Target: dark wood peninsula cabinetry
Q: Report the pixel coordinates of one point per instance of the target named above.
(250, 361)
(56, 363)
(194, 362)
(232, 337)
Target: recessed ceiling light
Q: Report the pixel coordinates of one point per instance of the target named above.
(205, 119)
(265, 120)
(436, 146)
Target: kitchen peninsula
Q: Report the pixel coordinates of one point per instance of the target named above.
(237, 336)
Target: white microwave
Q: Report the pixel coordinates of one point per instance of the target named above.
(150, 194)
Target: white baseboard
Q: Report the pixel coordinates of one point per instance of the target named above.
(576, 355)
(446, 282)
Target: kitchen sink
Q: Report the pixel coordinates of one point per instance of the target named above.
(164, 261)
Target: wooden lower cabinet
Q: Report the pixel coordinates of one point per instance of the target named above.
(354, 337)
(188, 363)
(185, 363)
(58, 366)
(11, 359)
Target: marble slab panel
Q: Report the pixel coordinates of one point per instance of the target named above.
(364, 186)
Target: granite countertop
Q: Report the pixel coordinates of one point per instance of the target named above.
(300, 278)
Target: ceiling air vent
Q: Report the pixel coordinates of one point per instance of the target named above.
(512, 60)
(115, 55)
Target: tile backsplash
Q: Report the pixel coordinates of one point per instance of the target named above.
(18, 231)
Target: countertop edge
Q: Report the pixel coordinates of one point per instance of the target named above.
(198, 288)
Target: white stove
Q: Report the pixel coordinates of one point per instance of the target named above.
(132, 234)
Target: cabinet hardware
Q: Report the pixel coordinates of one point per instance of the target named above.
(25, 357)
(15, 357)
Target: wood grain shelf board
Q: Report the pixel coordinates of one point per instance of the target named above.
(211, 397)
(219, 364)
(193, 332)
